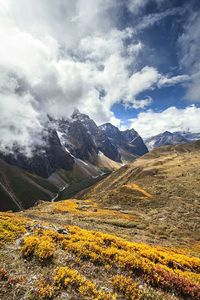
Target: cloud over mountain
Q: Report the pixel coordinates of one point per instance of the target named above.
(59, 55)
(151, 123)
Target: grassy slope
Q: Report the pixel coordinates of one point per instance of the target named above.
(26, 188)
(20, 189)
(38, 262)
(171, 175)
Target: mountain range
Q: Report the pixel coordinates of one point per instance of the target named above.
(74, 149)
(171, 138)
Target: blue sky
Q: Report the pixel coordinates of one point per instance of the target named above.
(163, 52)
(134, 63)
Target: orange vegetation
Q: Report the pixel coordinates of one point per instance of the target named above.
(136, 187)
(11, 227)
(88, 208)
(158, 267)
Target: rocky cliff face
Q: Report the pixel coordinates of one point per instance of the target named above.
(100, 138)
(74, 150)
(134, 142)
(85, 140)
(44, 160)
(128, 140)
(77, 138)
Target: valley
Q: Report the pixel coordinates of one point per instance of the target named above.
(75, 152)
(100, 150)
(132, 235)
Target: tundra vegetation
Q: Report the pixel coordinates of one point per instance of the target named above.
(40, 260)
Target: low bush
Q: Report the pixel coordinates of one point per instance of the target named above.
(42, 247)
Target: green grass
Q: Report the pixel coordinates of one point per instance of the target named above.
(26, 192)
(44, 183)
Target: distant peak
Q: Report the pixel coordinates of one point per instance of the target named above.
(108, 125)
(167, 132)
(130, 130)
(78, 115)
(77, 111)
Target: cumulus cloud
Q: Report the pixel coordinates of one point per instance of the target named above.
(59, 55)
(19, 110)
(151, 123)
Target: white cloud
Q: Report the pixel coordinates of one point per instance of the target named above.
(50, 55)
(167, 81)
(142, 80)
(151, 123)
(142, 103)
(152, 19)
(19, 110)
(135, 6)
(59, 55)
(146, 79)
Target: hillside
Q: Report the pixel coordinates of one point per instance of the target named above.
(20, 189)
(134, 235)
(45, 255)
(161, 189)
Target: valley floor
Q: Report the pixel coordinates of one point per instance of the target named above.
(53, 252)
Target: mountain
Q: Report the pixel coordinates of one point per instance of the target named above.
(169, 138)
(85, 140)
(74, 150)
(134, 235)
(128, 142)
(45, 159)
(82, 137)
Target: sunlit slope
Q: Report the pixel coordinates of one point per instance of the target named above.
(162, 189)
(47, 260)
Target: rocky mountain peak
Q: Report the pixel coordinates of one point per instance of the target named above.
(167, 133)
(77, 115)
(111, 131)
(168, 138)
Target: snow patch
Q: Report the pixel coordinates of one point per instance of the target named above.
(100, 153)
(82, 161)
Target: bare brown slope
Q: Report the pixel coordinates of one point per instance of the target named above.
(162, 188)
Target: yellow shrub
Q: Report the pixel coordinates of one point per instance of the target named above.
(29, 245)
(65, 206)
(45, 248)
(11, 227)
(69, 277)
(92, 210)
(45, 290)
(41, 247)
(127, 287)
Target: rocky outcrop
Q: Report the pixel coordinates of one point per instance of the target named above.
(44, 160)
(128, 140)
(84, 139)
